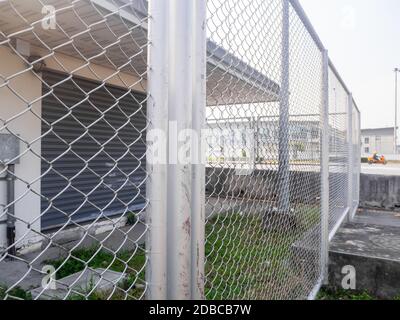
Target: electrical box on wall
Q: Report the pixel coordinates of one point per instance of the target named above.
(22, 47)
(9, 149)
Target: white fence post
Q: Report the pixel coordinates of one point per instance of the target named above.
(179, 166)
(350, 155)
(198, 122)
(325, 171)
(177, 100)
(156, 184)
(284, 128)
(359, 155)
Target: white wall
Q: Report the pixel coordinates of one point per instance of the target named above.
(23, 120)
(27, 124)
(78, 67)
(384, 146)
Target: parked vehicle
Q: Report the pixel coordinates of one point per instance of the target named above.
(377, 159)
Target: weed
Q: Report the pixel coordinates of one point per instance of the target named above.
(16, 293)
(128, 262)
(131, 219)
(329, 294)
(245, 261)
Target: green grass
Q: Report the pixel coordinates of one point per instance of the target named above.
(329, 294)
(244, 261)
(131, 263)
(14, 294)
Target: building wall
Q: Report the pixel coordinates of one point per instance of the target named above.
(259, 141)
(383, 144)
(27, 124)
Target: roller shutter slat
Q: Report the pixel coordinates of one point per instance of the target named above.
(69, 164)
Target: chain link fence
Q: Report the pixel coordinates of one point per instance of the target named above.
(86, 212)
(73, 129)
(339, 158)
(263, 183)
(356, 155)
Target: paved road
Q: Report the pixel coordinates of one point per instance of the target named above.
(388, 170)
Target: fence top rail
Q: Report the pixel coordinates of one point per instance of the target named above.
(356, 107)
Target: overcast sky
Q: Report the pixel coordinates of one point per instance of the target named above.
(363, 39)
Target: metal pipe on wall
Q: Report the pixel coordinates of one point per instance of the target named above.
(11, 210)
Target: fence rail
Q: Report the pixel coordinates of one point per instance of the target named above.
(170, 150)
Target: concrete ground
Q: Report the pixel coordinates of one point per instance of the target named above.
(378, 217)
(25, 272)
(371, 244)
(391, 169)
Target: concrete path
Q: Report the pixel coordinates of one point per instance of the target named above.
(389, 170)
(370, 244)
(80, 283)
(378, 217)
(25, 272)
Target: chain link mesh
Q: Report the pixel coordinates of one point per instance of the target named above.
(258, 246)
(356, 156)
(339, 151)
(73, 123)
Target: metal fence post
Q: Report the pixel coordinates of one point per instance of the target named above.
(156, 185)
(350, 155)
(198, 122)
(179, 169)
(325, 171)
(284, 130)
(359, 156)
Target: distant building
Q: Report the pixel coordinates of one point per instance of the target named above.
(257, 140)
(380, 140)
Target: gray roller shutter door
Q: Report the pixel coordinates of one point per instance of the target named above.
(103, 173)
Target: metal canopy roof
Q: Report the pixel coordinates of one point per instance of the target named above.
(102, 33)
